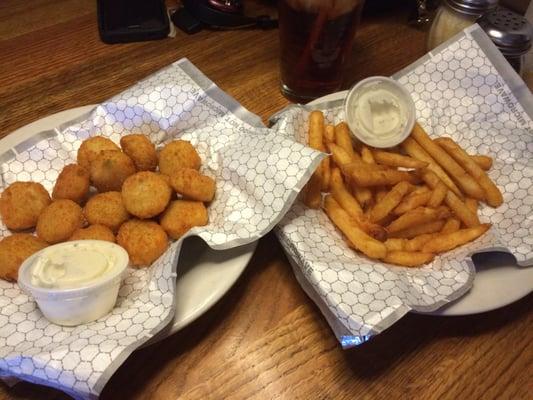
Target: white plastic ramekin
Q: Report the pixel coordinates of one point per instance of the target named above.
(76, 306)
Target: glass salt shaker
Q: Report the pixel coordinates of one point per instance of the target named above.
(455, 15)
(511, 33)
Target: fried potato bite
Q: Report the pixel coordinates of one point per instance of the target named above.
(59, 221)
(141, 150)
(145, 241)
(14, 250)
(91, 147)
(193, 185)
(145, 194)
(110, 169)
(178, 154)
(22, 203)
(94, 232)
(182, 215)
(72, 183)
(106, 209)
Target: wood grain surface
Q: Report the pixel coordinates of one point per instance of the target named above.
(265, 339)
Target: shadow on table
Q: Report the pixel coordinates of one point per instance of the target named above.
(415, 331)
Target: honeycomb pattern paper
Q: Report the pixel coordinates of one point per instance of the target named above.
(258, 175)
(465, 90)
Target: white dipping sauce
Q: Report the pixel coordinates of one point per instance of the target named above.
(75, 282)
(72, 265)
(379, 112)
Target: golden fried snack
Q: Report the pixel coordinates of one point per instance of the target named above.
(110, 169)
(145, 194)
(447, 241)
(22, 203)
(193, 185)
(182, 215)
(178, 154)
(59, 220)
(14, 250)
(389, 202)
(141, 150)
(408, 258)
(145, 241)
(94, 232)
(91, 147)
(106, 209)
(72, 183)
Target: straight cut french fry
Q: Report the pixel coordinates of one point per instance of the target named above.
(352, 207)
(389, 202)
(462, 212)
(344, 139)
(438, 195)
(340, 156)
(492, 193)
(372, 177)
(366, 155)
(471, 204)
(412, 201)
(416, 243)
(411, 147)
(418, 216)
(408, 258)
(484, 162)
(363, 195)
(360, 240)
(312, 194)
(409, 233)
(397, 160)
(449, 241)
(451, 225)
(457, 172)
(395, 244)
(329, 135)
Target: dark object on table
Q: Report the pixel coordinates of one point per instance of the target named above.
(218, 14)
(121, 21)
(511, 33)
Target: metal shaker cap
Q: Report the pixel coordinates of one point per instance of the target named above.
(510, 32)
(472, 7)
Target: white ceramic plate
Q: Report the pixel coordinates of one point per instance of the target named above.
(204, 275)
(498, 281)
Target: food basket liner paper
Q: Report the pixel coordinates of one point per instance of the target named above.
(258, 175)
(464, 89)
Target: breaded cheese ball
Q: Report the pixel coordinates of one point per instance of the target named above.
(22, 203)
(106, 209)
(14, 250)
(141, 150)
(193, 185)
(178, 154)
(145, 241)
(145, 194)
(59, 221)
(72, 183)
(110, 169)
(181, 216)
(91, 147)
(94, 232)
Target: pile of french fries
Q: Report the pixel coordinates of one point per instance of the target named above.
(404, 205)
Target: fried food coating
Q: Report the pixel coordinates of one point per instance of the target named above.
(182, 215)
(94, 232)
(193, 185)
(14, 250)
(59, 221)
(91, 147)
(22, 203)
(106, 209)
(145, 241)
(145, 194)
(141, 150)
(72, 183)
(178, 154)
(110, 169)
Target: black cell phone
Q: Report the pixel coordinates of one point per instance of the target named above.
(121, 21)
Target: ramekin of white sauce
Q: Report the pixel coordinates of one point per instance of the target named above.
(380, 112)
(75, 282)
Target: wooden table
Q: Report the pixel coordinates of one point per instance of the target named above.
(265, 339)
